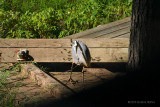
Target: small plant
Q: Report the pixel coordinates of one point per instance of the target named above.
(7, 98)
(9, 92)
(16, 67)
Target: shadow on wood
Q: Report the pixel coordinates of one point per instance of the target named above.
(61, 67)
(141, 88)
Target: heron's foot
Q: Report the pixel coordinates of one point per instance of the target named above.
(71, 81)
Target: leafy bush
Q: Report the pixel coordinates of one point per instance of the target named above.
(38, 25)
(57, 18)
(9, 20)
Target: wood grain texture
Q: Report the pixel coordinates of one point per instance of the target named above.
(34, 43)
(59, 50)
(51, 84)
(117, 33)
(126, 35)
(107, 31)
(64, 54)
(62, 43)
(102, 29)
(105, 42)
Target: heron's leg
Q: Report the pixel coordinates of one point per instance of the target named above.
(72, 67)
(71, 70)
(70, 78)
(83, 74)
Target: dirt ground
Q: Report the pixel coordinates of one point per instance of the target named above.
(28, 92)
(98, 90)
(31, 94)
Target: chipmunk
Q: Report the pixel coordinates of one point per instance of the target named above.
(22, 54)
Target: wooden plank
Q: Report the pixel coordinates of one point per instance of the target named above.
(35, 43)
(102, 50)
(103, 73)
(116, 33)
(109, 54)
(64, 54)
(101, 28)
(105, 42)
(38, 75)
(39, 54)
(107, 31)
(61, 43)
(90, 80)
(53, 85)
(126, 35)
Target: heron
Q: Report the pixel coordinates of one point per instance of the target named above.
(81, 56)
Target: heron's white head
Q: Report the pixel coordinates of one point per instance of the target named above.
(75, 43)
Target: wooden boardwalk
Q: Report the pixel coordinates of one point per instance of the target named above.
(107, 44)
(117, 29)
(59, 50)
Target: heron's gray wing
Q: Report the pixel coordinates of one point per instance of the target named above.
(82, 51)
(81, 55)
(86, 53)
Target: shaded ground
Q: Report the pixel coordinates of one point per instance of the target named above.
(119, 92)
(133, 89)
(136, 89)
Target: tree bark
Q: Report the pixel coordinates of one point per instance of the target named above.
(145, 36)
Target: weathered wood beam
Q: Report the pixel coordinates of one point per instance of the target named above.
(62, 43)
(116, 33)
(64, 54)
(105, 42)
(34, 43)
(107, 33)
(102, 29)
(59, 50)
(55, 87)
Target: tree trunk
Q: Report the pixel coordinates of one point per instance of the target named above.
(145, 36)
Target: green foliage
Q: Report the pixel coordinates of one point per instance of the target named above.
(57, 18)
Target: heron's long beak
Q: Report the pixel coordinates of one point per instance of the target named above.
(76, 49)
(76, 45)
